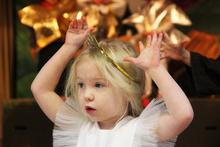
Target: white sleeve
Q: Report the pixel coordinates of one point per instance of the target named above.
(145, 134)
(67, 125)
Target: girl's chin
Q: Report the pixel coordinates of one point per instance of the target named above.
(92, 118)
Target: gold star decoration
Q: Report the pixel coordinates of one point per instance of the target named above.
(45, 21)
(102, 15)
(160, 15)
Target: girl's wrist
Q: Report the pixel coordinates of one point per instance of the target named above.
(69, 50)
(70, 46)
(155, 70)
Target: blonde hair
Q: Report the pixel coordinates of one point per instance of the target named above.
(117, 50)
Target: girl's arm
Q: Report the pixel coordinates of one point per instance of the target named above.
(45, 82)
(180, 112)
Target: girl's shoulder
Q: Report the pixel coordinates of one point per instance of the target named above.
(154, 108)
(68, 114)
(67, 124)
(146, 128)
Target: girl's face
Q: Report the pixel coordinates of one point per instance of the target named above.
(97, 97)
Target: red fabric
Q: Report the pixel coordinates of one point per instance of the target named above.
(145, 101)
(98, 2)
(47, 5)
(204, 43)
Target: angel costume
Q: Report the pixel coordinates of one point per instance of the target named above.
(73, 130)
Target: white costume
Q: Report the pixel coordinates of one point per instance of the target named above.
(73, 130)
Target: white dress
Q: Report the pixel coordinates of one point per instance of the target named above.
(72, 130)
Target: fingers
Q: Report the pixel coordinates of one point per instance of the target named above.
(167, 38)
(73, 24)
(78, 24)
(130, 59)
(84, 24)
(141, 45)
(159, 40)
(170, 45)
(154, 40)
(163, 54)
(149, 38)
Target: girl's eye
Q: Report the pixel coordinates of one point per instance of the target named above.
(99, 85)
(81, 85)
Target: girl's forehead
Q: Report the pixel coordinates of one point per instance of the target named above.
(87, 68)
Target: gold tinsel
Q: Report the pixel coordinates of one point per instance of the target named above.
(45, 21)
(160, 15)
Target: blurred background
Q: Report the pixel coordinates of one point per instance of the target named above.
(31, 31)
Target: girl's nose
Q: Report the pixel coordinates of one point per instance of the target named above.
(89, 96)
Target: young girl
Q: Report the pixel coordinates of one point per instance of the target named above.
(105, 84)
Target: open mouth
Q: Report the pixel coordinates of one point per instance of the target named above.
(90, 109)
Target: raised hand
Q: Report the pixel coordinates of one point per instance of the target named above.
(150, 54)
(77, 33)
(174, 51)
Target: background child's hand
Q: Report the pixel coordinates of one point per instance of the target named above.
(150, 54)
(77, 33)
(174, 51)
